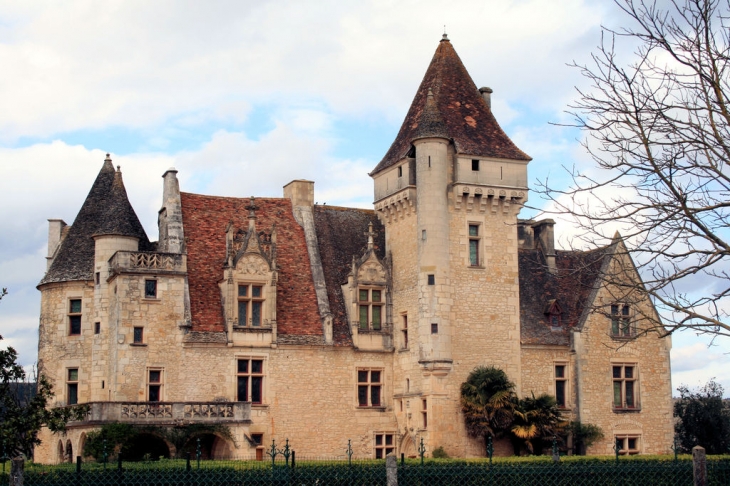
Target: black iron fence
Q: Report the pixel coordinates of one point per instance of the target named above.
(283, 467)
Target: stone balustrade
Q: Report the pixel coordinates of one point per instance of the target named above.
(168, 413)
(147, 262)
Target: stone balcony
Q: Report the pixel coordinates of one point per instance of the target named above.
(147, 262)
(167, 413)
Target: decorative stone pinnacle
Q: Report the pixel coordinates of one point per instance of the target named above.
(370, 235)
(252, 209)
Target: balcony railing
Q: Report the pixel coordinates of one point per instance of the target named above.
(144, 261)
(168, 413)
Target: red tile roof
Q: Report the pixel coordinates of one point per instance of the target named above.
(205, 219)
(469, 121)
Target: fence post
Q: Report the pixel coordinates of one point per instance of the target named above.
(391, 469)
(16, 471)
(699, 463)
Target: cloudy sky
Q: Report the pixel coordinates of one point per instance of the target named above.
(244, 96)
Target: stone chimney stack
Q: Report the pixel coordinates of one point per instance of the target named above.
(300, 192)
(55, 234)
(545, 239)
(169, 220)
(487, 95)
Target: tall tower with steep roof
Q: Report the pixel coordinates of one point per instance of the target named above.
(449, 190)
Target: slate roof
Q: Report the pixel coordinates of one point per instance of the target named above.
(106, 210)
(205, 219)
(577, 276)
(468, 120)
(341, 234)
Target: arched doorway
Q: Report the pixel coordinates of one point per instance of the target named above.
(69, 451)
(408, 447)
(61, 457)
(82, 443)
(211, 446)
(145, 447)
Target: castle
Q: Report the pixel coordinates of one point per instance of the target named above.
(283, 319)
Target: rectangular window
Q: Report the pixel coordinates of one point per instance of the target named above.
(434, 328)
(97, 278)
(474, 241)
(97, 327)
(384, 445)
(405, 331)
(74, 317)
(72, 386)
(138, 335)
(625, 386)
(424, 413)
(475, 164)
(431, 280)
(250, 305)
(621, 321)
(628, 444)
(250, 380)
(369, 388)
(154, 385)
(400, 171)
(150, 289)
(370, 305)
(561, 385)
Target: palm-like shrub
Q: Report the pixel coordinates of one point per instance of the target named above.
(536, 419)
(487, 400)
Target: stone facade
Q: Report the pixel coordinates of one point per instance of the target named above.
(283, 320)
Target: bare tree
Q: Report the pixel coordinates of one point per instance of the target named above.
(658, 128)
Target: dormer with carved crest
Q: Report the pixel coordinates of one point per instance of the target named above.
(368, 300)
(248, 286)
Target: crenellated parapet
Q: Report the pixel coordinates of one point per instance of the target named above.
(487, 200)
(397, 206)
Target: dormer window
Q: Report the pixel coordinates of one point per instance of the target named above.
(370, 303)
(553, 314)
(250, 305)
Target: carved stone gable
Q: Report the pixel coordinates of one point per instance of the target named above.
(252, 264)
(371, 271)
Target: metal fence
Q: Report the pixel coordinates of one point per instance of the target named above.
(308, 471)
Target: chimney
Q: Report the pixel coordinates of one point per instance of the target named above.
(487, 95)
(169, 220)
(55, 235)
(545, 239)
(300, 192)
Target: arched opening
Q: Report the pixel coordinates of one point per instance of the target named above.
(82, 442)
(69, 451)
(60, 458)
(211, 447)
(407, 447)
(145, 447)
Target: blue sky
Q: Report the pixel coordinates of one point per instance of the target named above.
(244, 96)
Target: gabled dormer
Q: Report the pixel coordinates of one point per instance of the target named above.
(367, 297)
(248, 288)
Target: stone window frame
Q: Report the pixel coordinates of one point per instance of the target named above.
(365, 384)
(565, 380)
(156, 383)
(627, 444)
(475, 258)
(383, 444)
(251, 377)
(621, 380)
(621, 320)
(72, 385)
(404, 331)
(424, 414)
(151, 288)
(138, 336)
(251, 301)
(74, 316)
(369, 306)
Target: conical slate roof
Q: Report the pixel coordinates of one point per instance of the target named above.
(468, 120)
(106, 210)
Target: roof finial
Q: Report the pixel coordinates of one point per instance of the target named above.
(370, 234)
(108, 158)
(252, 209)
(444, 37)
